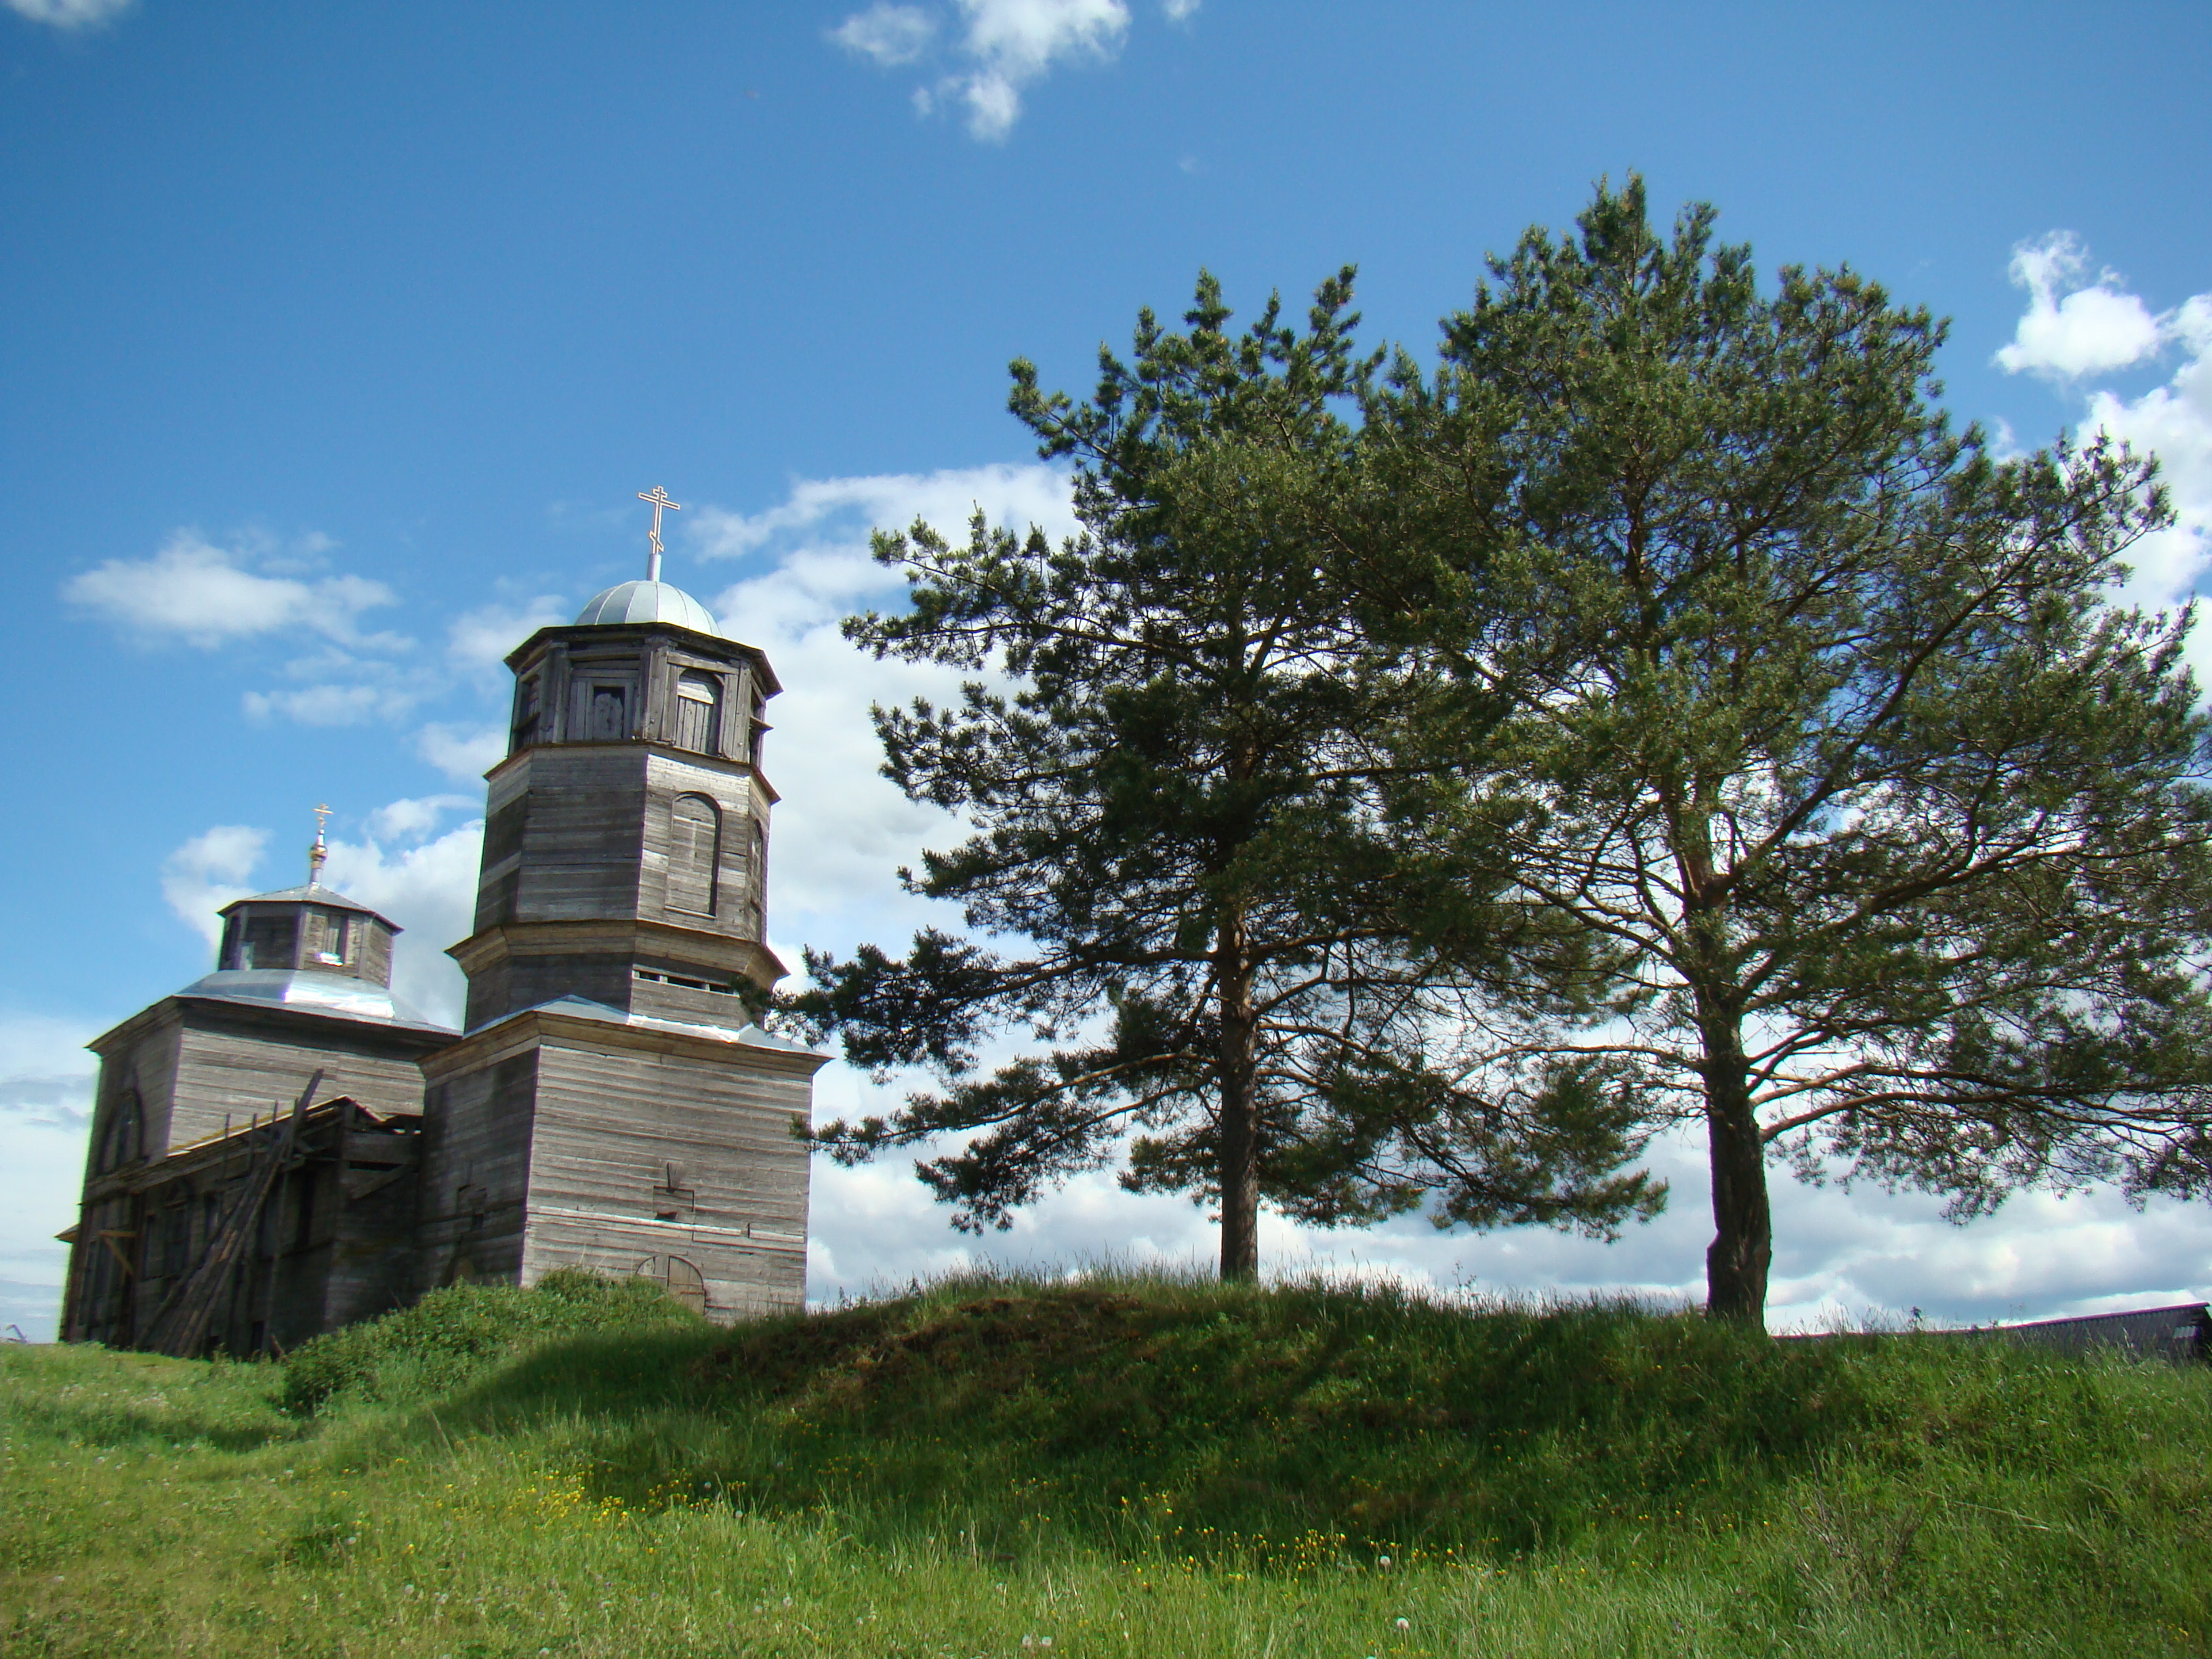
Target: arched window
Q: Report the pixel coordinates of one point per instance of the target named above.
(694, 846)
(699, 712)
(687, 1283)
(684, 1281)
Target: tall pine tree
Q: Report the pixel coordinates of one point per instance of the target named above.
(1887, 831)
(1172, 786)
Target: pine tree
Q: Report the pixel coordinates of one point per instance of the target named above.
(1886, 827)
(1171, 784)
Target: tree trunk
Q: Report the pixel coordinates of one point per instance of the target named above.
(1240, 1104)
(1737, 1262)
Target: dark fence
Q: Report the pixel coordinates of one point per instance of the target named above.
(2183, 1332)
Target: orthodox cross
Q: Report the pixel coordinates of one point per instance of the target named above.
(660, 499)
(319, 853)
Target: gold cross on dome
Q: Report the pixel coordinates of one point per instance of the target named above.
(319, 854)
(659, 500)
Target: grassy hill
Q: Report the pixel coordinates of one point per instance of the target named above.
(1130, 1468)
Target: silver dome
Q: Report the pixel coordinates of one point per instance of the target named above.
(647, 602)
(310, 991)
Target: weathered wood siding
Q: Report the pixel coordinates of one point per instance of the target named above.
(580, 843)
(477, 1127)
(738, 881)
(641, 1154)
(235, 1061)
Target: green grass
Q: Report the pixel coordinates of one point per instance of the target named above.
(1131, 1468)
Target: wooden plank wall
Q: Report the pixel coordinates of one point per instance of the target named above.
(612, 1122)
(732, 790)
(231, 1066)
(475, 1173)
(580, 852)
(371, 1223)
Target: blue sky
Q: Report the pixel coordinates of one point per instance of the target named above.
(335, 342)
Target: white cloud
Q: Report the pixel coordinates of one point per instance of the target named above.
(1839, 1257)
(2073, 328)
(45, 1105)
(1015, 42)
(209, 870)
(2172, 421)
(209, 596)
(1179, 11)
(842, 830)
(478, 640)
(69, 14)
(837, 513)
(463, 753)
(1007, 45)
(333, 704)
(429, 889)
(413, 820)
(890, 34)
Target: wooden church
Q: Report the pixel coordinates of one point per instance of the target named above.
(283, 1146)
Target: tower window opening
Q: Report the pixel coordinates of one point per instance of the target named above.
(699, 712)
(695, 845)
(338, 938)
(609, 718)
(270, 941)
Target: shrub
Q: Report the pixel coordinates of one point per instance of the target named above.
(453, 1336)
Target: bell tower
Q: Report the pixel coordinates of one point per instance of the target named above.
(611, 1104)
(626, 833)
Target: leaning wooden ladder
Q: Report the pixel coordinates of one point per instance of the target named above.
(179, 1325)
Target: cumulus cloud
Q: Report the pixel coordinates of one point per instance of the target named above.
(999, 48)
(842, 830)
(463, 753)
(425, 882)
(258, 590)
(477, 640)
(2172, 421)
(406, 821)
(70, 16)
(890, 34)
(2075, 327)
(1841, 1258)
(208, 871)
(208, 596)
(334, 704)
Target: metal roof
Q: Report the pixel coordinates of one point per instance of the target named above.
(312, 893)
(310, 991)
(648, 601)
(748, 1035)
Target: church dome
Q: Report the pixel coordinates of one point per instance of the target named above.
(309, 992)
(647, 602)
